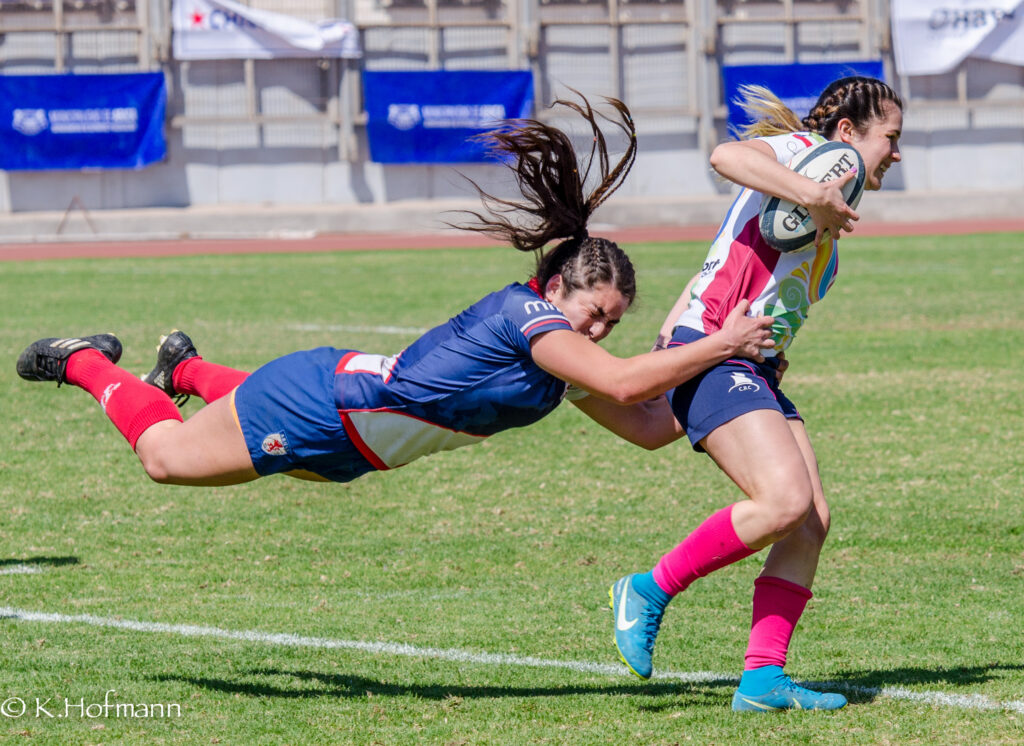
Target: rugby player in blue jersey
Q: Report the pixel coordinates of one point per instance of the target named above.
(506, 361)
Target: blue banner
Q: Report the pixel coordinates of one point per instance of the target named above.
(81, 121)
(429, 116)
(798, 85)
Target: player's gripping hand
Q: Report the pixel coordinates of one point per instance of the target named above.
(661, 343)
(783, 365)
(828, 208)
(748, 335)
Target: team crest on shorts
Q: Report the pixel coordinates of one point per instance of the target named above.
(275, 444)
(743, 382)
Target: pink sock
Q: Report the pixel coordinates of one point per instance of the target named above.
(208, 381)
(129, 403)
(712, 545)
(778, 605)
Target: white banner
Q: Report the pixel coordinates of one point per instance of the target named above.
(932, 38)
(223, 29)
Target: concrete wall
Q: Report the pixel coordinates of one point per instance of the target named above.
(963, 141)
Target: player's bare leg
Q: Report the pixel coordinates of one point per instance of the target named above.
(787, 507)
(205, 450)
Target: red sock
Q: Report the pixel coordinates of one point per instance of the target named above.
(713, 545)
(208, 381)
(129, 403)
(778, 605)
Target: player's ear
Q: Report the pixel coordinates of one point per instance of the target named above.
(553, 286)
(845, 130)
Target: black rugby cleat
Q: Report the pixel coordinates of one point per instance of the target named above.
(174, 349)
(47, 359)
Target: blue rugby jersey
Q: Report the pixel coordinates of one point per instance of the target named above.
(462, 381)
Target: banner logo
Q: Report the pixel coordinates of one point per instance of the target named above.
(432, 116)
(465, 116)
(226, 29)
(958, 18)
(404, 116)
(29, 121)
(934, 38)
(219, 19)
(76, 121)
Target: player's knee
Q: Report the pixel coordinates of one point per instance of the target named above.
(790, 510)
(154, 465)
(812, 529)
(815, 528)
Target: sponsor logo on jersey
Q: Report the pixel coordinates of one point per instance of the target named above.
(743, 382)
(538, 306)
(275, 444)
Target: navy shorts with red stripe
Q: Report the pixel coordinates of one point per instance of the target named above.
(290, 420)
(725, 392)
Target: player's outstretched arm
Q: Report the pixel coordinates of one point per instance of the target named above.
(577, 360)
(649, 424)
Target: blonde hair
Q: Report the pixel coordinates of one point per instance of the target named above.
(857, 98)
(770, 116)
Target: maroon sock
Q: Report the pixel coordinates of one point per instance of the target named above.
(129, 403)
(208, 381)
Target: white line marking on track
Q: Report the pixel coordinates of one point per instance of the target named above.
(21, 570)
(942, 699)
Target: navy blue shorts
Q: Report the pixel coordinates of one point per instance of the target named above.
(724, 392)
(290, 421)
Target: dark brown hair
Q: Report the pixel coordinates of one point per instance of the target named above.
(857, 98)
(554, 204)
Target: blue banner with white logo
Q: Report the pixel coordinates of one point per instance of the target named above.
(430, 116)
(81, 121)
(798, 85)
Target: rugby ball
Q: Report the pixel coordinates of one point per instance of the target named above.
(787, 226)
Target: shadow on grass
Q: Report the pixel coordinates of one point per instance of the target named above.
(859, 686)
(49, 561)
(341, 685)
(866, 686)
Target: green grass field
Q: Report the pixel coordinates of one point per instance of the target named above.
(492, 564)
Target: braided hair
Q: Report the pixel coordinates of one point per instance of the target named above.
(857, 98)
(554, 204)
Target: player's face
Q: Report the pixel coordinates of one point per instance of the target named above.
(593, 312)
(879, 144)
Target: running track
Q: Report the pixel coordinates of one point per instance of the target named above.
(381, 241)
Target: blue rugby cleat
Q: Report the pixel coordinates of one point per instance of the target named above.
(787, 696)
(637, 621)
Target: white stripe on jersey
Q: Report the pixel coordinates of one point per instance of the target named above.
(396, 439)
(367, 363)
(549, 317)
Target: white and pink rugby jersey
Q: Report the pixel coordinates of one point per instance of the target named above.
(741, 264)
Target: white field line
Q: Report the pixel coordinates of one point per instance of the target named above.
(21, 570)
(356, 329)
(942, 699)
